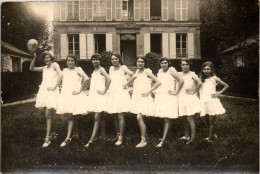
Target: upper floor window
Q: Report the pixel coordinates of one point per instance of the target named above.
(73, 10)
(73, 44)
(99, 9)
(181, 10)
(155, 9)
(181, 45)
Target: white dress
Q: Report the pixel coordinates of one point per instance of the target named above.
(166, 105)
(118, 99)
(69, 103)
(139, 104)
(188, 104)
(97, 102)
(45, 98)
(209, 105)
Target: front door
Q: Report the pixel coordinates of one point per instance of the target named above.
(128, 49)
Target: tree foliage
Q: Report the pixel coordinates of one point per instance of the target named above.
(20, 23)
(225, 23)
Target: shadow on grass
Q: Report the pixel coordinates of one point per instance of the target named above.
(235, 149)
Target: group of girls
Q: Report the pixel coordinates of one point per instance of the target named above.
(175, 95)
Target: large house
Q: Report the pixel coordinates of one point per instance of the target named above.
(170, 28)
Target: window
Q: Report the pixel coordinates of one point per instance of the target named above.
(73, 44)
(181, 45)
(73, 10)
(155, 9)
(100, 43)
(16, 64)
(156, 43)
(99, 9)
(240, 61)
(125, 10)
(181, 10)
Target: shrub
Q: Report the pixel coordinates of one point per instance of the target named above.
(105, 60)
(153, 62)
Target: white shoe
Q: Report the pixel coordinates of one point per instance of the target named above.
(47, 142)
(66, 142)
(185, 138)
(142, 143)
(119, 141)
(160, 144)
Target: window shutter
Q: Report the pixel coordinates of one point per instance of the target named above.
(89, 10)
(109, 46)
(146, 10)
(90, 45)
(173, 45)
(118, 10)
(82, 46)
(82, 16)
(165, 10)
(109, 10)
(63, 46)
(63, 11)
(190, 45)
(137, 10)
(165, 45)
(147, 43)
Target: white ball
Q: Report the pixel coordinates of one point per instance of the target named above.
(32, 45)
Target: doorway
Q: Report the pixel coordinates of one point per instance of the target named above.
(128, 49)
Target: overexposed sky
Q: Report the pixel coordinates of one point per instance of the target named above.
(43, 8)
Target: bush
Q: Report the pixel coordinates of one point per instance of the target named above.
(153, 62)
(105, 60)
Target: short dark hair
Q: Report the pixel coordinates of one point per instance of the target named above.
(165, 59)
(73, 57)
(143, 58)
(45, 53)
(96, 56)
(117, 56)
(186, 60)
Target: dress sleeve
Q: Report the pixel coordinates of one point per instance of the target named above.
(80, 70)
(194, 74)
(124, 68)
(148, 71)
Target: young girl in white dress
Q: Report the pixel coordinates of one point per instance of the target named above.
(166, 101)
(99, 85)
(142, 101)
(189, 103)
(48, 94)
(210, 103)
(72, 100)
(118, 99)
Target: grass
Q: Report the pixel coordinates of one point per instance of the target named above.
(236, 149)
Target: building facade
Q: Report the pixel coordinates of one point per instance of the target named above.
(170, 28)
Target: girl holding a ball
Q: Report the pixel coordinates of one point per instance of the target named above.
(48, 94)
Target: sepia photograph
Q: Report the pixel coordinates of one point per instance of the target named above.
(130, 86)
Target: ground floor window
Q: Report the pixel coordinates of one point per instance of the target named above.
(16, 64)
(100, 43)
(73, 44)
(156, 44)
(181, 45)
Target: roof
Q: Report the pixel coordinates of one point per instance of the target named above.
(241, 45)
(14, 50)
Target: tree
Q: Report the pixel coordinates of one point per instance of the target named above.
(225, 23)
(20, 23)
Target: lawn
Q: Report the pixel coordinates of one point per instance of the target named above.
(236, 148)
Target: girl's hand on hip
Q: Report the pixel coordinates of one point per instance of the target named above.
(145, 94)
(51, 88)
(76, 92)
(171, 92)
(190, 91)
(101, 92)
(215, 95)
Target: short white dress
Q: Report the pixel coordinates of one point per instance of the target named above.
(209, 105)
(69, 103)
(140, 104)
(45, 98)
(97, 102)
(188, 104)
(166, 105)
(118, 98)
